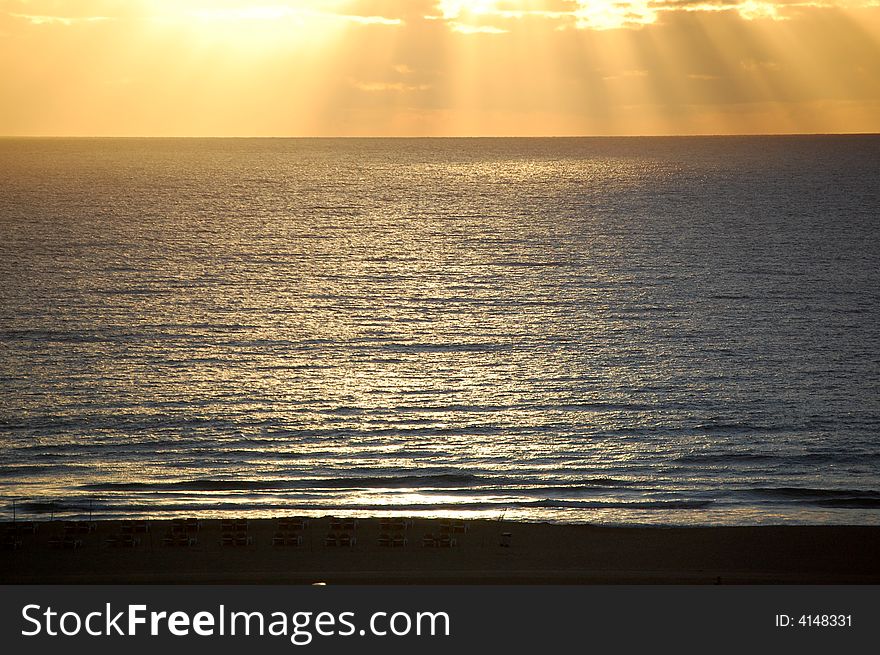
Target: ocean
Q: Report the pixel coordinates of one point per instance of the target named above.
(674, 331)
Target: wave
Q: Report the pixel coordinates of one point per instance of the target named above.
(58, 506)
(822, 497)
(639, 504)
(426, 481)
(594, 407)
(721, 458)
(333, 506)
(436, 480)
(596, 482)
(458, 492)
(18, 470)
(852, 503)
(806, 492)
(740, 457)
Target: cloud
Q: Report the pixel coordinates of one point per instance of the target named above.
(499, 16)
(747, 9)
(38, 19)
(369, 20)
(394, 87)
(753, 65)
(465, 28)
(467, 17)
(46, 12)
(627, 74)
(296, 11)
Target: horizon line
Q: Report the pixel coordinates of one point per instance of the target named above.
(440, 137)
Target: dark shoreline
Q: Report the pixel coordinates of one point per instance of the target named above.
(120, 552)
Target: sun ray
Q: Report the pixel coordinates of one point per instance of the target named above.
(436, 67)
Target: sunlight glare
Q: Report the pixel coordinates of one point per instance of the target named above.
(609, 14)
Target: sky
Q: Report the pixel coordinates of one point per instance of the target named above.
(438, 67)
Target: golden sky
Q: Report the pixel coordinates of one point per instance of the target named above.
(438, 67)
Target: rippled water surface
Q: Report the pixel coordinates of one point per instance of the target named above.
(621, 331)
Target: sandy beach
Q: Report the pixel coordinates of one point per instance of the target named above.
(423, 551)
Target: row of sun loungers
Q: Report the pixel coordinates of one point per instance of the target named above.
(236, 533)
(20, 528)
(292, 525)
(439, 541)
(10, 542)
(79, 527)
(394, 525)
(453, 526)
(346, 525)
(184, 526)
(179, 540)
(181, 533)
(393, 541)
(122, 541)
(135, 527)
(65, 543)
(236, 525)
(12, 533)
(344, 540)
(287, 539)
(236, 539)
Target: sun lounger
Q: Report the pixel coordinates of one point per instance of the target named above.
(10, 542)
(130, 542)
(65, 543)
(348, 525)
(182, 526)
(395, 525)
(122, 541)
(286, 539)
(236, 539)
(235, 533)
(445, 541)
(331, 540)
(292, 525)
(453, 526)
(135, 527)
(177, 540)
(392, 541)
(346, 541)
(439, 541)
